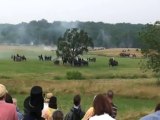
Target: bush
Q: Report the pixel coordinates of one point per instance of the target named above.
(74, 75)
(57, 78)
(4, 77)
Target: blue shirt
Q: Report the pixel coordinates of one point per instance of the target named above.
(20, 115)
(153, 116)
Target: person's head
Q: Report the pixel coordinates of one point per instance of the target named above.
(57, 115)
(34, 102)
(53, 102)
(157, 107)
(110, 94)
(3, 92)
(47, 97)
(8, 98)
(101, 105)
(77, 100)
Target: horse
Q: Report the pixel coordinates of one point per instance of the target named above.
(113, 62)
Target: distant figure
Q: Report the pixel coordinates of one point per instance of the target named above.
(102, 108)
(33, 104)
(113, 62)
(40, 57)
(153, 116)
(110, 96)
(75, 113)
(57, 115)
(7, 110)
(56, 62)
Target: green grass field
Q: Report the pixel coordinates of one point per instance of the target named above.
(135, 90)
(128, 68)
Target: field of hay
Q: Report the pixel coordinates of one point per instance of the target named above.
(116, 51)
(136, 91)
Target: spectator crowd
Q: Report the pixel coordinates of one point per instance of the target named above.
(38, 106)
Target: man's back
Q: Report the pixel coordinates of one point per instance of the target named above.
(7, 111)
(74, 114)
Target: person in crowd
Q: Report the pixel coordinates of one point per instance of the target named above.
(89, 113)
(7, 110)
(76, 112)
(15, 103)
(46, 102)
(110, 96)
(8, 99)
(57, 115)
(51, 108)
(102, 108)
(153, 116)
(33, 104)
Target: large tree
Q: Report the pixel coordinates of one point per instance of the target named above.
(150, 37)
(73, 43)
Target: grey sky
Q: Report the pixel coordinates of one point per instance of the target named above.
(108, 11)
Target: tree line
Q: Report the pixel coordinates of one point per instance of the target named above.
(42, 32)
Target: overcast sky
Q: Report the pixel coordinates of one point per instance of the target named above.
(108, 11)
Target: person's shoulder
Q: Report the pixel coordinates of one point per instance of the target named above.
(147, 117)
(93, 118)
(90, 109)
(9, 105)
(67, 116)
(151, 116)
(102, 117)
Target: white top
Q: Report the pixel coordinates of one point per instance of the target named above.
(102, 117)
(45, 107)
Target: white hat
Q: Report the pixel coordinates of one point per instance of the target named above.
(3, 90)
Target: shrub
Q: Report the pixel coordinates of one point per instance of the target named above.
(57, 78)
(4, 77)
(74, 75)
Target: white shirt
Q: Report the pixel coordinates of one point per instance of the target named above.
(45, 106)
(102, 117)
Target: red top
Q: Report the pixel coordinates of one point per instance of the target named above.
(7, 111)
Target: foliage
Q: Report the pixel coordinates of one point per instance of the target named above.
(42, 32)
(76, 75)
(74, 42)
(150, 37)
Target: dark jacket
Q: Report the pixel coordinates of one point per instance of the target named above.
(32, 116)
(74, 114)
